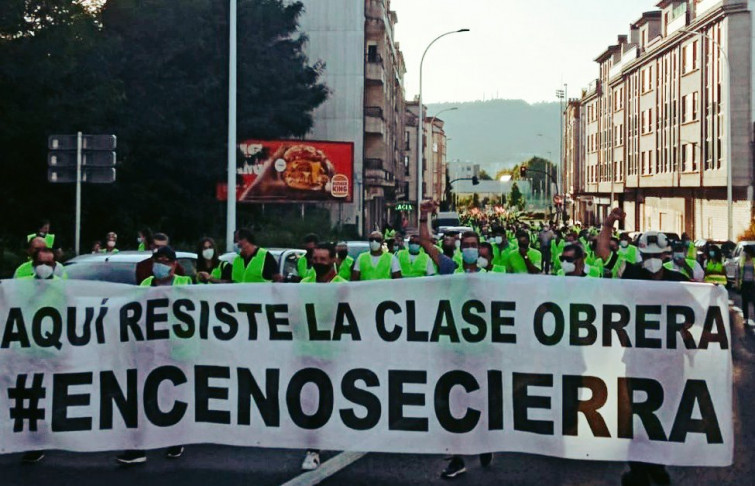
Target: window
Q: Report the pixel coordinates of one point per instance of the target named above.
(407, 140)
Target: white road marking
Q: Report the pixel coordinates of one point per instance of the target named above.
(326, 469)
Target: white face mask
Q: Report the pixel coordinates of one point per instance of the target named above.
(498, 240)
(624, 243)
(110, 244)
(208, 253)
(375, 245)
(457, 244)
(43, 271)
(652, 265)
(482, 262)
(568, 267)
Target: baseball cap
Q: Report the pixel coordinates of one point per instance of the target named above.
(165, 252)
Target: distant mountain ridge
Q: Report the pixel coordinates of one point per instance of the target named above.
(498, 134)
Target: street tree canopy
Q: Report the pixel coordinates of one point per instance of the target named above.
(155, 74)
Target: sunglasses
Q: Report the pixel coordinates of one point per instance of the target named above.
(567, 259)
(375, 239)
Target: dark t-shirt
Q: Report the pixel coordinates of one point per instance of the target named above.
(636, 272)
(269, 269)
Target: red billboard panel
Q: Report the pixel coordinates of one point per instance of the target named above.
(294, 171)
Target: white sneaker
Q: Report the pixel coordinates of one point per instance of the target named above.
(311, 461)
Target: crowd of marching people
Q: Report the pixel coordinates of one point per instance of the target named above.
(492, 246)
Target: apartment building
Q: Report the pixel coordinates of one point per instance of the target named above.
(364, 70)
(653, 126)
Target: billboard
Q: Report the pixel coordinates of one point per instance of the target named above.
(294, 171)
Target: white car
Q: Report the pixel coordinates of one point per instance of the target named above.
(731, 265)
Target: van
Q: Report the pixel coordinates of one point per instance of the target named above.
(449, 218)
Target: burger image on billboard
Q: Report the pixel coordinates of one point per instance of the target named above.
(307, 168)
(294, 171)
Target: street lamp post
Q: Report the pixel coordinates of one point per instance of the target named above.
(230, 227)
(420, 128)
(727, 102)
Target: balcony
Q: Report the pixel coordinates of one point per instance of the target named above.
(374, 69)
(373, 120)
(375, 175)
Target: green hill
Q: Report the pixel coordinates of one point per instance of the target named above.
(498, 134)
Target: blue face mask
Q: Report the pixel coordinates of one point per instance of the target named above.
(470, 255)
(236, 249)
(414, 248)
(161, 271)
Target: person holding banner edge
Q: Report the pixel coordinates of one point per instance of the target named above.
(324, 268)
(446, 266)
(652, 246)
(164, 264)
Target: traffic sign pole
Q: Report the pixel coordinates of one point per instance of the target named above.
(78, 193)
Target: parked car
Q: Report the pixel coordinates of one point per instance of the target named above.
(119, 267)
(731, 265)
(447, 218)
(357, 247)
(286, 258)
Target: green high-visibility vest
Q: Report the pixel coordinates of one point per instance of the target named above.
(141, 247)
(177, 280)
(498, 269)
(345, 271)
(516, 263)
(380, 272)
(24, 270)
(417, 268)
(252, 273)
(629, 253)
(49, 239)
(27, 270)
(715, 278)
(690, 261)
(302, 267)
(313, 279)
(217, 272)
(556, 250)
(461, 270)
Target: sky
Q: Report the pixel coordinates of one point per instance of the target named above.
(516, 49)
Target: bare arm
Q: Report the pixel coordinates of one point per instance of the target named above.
(603, 248)
(425, 235)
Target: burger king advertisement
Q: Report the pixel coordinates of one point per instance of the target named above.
(294, 171)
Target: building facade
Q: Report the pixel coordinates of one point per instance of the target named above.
(670, 110)
(364, 70)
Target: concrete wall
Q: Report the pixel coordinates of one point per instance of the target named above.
(336, 36)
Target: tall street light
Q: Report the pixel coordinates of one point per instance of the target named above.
(727, 102)
(230, 227)
(422, 120)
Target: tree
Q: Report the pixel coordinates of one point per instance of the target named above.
(538, 178)
(516, 199)
(484, 176)
(155, 73)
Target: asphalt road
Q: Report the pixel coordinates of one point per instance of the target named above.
(221, 465)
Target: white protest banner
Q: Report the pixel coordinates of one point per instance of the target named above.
(576, 368)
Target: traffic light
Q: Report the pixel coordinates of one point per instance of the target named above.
(523, 172)
(475, 180)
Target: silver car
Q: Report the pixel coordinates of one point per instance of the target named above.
(731, 265)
